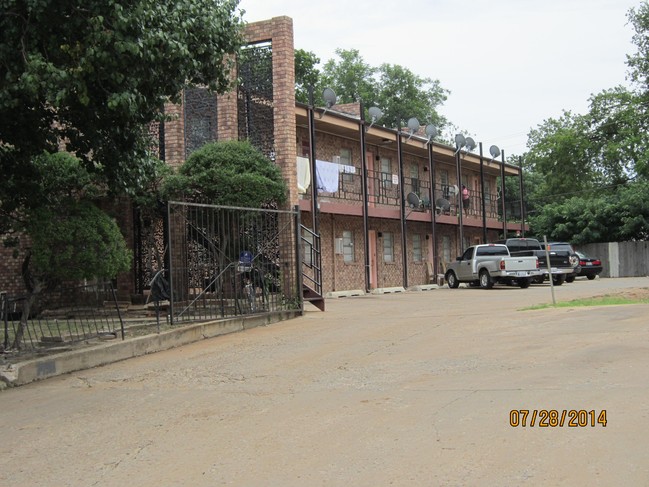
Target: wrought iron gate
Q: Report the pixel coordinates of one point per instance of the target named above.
(228, 261)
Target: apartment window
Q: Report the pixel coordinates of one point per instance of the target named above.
(346, 160)
(348, 246)
(388, 247)
(386, 172)
(414, 178)
(443, 179)
(446, 249)
(416, 248)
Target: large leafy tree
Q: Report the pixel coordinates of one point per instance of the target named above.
(400, 93)
(307, 75)
(350, 77)
(614, 217)
(89, 77)
(70, 237)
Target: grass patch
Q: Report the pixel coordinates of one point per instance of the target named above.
(607, 300)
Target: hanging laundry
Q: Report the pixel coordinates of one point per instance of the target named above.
(327, 176)
(303, 174)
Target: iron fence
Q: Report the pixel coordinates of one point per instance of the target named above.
(64, 315)
(227, 261)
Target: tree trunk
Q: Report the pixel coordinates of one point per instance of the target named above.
(34, 287)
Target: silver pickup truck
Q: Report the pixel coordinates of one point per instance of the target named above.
(488, 264)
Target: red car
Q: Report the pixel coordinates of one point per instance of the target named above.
(590, 266)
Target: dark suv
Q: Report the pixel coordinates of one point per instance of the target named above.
(574, 258)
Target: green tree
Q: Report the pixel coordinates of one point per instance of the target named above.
(559, 151)
(402, 94)
(619, 146)
(307, 75)
(69, 237)
(89, 76)
(350, 77)
(231, 173)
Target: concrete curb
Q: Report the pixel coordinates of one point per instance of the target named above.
(85, 358)
(345, 294)
(388, 290)
(424, 287)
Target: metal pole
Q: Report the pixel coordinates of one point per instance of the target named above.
(547, 261)
(433, 219)
(459, 205)
(520, 166)
(502, 193)
(404, 240)
(312, 155)
(365, 198)
(171, 258)
(298, 256)
(482, 198)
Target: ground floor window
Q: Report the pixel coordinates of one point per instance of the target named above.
(416, 248)
(388, 247)
(348, 246)
(446, 249)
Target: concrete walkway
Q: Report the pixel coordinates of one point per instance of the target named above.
(412, 388)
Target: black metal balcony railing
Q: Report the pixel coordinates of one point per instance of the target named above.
(384, 190)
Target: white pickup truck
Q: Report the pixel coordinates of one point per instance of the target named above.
(488, 264)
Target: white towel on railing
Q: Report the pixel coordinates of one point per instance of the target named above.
(303, 174)
(327, 176)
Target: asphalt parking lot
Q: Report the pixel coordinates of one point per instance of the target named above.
(426, 388)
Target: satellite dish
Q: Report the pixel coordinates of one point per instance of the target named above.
(413, 200)
(460, 142)
(494, 151)
(431, 131)
(375, 115)
(469, 143)
(443, 204)
(413, 126)
(329, 97)
(453, 189)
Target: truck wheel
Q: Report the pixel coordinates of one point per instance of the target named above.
(558, 280)
(590, 277)
(570, 278)
(485, 279)
(452, 281)
(524, 283)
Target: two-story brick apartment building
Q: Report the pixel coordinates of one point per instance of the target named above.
(374, 215)
(387, 208)
(362, 176)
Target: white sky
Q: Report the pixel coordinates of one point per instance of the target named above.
(509, 64)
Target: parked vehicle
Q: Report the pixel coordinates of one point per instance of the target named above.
(590, 267)
(560, 265)
(487, 264)
(574, 258)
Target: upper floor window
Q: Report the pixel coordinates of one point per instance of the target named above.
(346, 160)
(386, 172)
(414, 178)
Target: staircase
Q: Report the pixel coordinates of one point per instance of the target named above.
(311, 268)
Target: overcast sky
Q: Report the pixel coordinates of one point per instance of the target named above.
(509, 64)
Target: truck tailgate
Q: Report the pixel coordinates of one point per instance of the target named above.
(520, 263)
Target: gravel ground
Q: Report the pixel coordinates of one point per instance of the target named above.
(401, 389)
